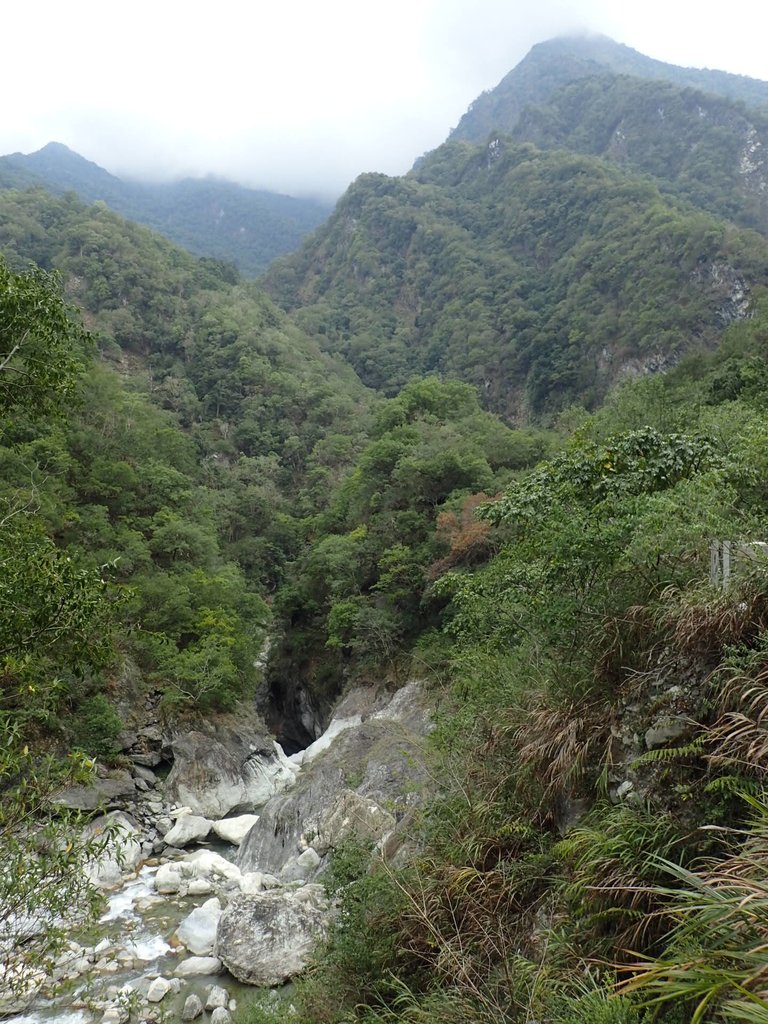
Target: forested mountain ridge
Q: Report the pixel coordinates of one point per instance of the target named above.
(700, 147)
(598, 240)
(206, 431)
(208, 216)
(207, 471)
(555, 63)
(541, 277)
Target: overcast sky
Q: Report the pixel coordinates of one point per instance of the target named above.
(302, 96)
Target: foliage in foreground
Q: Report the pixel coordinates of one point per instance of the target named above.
(55, 633)
(566, 850)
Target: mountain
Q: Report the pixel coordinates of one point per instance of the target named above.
(602, 237)
(700, 147)
(551, 65)
(210, 217)
(542, 277)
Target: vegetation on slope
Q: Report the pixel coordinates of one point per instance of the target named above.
(196, 448)
(539, 277)
(597, 853)
(214, 218)
(699, 147)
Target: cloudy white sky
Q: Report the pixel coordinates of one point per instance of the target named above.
(302, 96)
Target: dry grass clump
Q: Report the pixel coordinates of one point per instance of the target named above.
(560, 747)
(701, 625)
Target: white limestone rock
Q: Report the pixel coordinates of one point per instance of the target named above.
(121, 850)
(267, 938)
(234, 830)
(208, 864)
(189, 828)
(197, 965)
(193, 1008)
(218, 996)
(299, 869)
(158, 990)
(198, 930)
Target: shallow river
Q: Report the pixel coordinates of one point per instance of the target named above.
(146, 936)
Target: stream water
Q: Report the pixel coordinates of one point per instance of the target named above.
(139, 924)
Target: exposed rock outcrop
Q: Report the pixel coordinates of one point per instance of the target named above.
(267, 938)
(120, 854)
(226, 766)
(364, 780)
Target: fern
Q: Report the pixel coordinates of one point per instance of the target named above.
(665, 754)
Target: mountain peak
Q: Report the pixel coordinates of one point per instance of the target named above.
(550, 65)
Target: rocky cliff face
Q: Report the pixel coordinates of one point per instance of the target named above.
(361, 778)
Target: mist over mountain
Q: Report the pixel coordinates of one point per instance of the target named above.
(490, 448)
(557, 62)
(210, 217)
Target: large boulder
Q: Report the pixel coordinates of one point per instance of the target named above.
(267, 938)
(226, 765)
(198, 929)
(234, 830)
(375, 761)
(117, 844)
(189, 828)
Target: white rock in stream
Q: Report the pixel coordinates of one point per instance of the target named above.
(234, 830)
(195, 965)
(266, 939)
(158, 990)
(207, 864)
(218, 996)
(189, 828)
(168, 878)
(198, 930)
(193, 1008)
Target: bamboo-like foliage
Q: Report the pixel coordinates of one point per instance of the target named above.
(716, 957)
(613, 864)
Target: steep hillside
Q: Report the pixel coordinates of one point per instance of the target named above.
(190, 453)
(542, 277)
(703, 148)
(555, 63)
(210, 217)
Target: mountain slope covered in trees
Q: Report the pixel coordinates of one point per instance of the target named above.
(541, 277)
(210, 217)
(206, 470)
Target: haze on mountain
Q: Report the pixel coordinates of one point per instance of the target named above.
(300, 98)
(208, 216)
(566, 309)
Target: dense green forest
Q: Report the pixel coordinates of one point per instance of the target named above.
(189, 475)
(211, 217)
(541, 277)
(702, 148)
(598, 851)
(451, 454)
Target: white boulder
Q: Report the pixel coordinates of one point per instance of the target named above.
(198, 930)
(189, 828)
(267, 938)
(234, 830)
